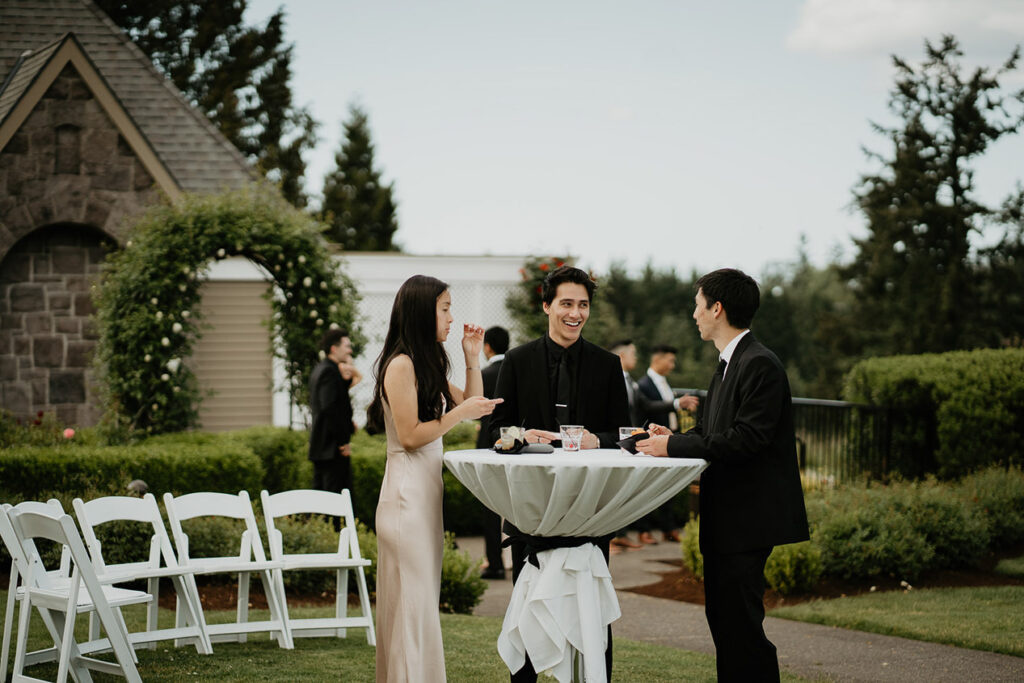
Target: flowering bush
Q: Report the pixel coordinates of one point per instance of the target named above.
(147, 302)
(525, 302)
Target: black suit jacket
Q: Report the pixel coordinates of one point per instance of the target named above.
(750, 494)
(332, 411)
(490, 377)
(524, 384)
(650, 405)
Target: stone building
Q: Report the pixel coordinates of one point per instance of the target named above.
(90, 134)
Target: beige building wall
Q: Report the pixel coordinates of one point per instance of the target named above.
(233, 357)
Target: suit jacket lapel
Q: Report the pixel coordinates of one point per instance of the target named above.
(538, 374)
(726, 384)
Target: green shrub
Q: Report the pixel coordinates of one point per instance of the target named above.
(461, 584)
(999, 495)
(954, 413)
(284, 454)
(793, 568)
(692, 559)
(958, 533)
(868, 542)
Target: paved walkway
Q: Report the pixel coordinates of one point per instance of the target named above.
(815, 652)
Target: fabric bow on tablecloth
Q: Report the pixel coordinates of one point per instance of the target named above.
(568, 601)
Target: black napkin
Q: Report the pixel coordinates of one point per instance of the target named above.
(517, 445)
(630, 443)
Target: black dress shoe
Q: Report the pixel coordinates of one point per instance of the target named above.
(496, 574)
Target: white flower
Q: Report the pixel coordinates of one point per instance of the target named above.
(319, 322)
(302, 259)
(332, 308)
(186, 270)
(128, 243)
(321, 354)
(147, 358)
(185, 314)
(335, 326)
(311, 300)
(323, 285)
(165, 342)
(159, 315)
(182, 287)
(176, 327)
(154, 301)
(220, 253)
(155, 407)
(165, 377)
(307, 282)
(277, 269)
(173, 364)
(313, 313)
(289, 264)
(176, 388)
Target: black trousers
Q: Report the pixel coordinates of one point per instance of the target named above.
(527, 674)
(492, 540)
(333, 475)
(734, 605)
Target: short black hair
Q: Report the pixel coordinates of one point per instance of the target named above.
(664, 348)
(737, 291)
(331, 338)
(566, 274)
(621, 344)
(497, 337)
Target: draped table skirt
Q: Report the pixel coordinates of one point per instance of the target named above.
(567, 601)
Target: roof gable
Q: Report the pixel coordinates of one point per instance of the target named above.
(193, 151)
(37, 72)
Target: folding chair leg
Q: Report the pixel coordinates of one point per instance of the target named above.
(242, 612)
(12, 598)
(153, 609)
(364, 603)
(341, 600)
(278, 608)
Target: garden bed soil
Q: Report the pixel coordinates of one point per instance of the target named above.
(679, 583)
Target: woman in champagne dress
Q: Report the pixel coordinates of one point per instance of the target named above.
(416, 404)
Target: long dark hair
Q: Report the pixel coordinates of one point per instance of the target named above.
(413, 331)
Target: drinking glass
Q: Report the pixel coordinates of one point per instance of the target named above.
(625, 433)
(507, 438)
(572, 437)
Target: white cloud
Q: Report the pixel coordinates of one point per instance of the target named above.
(886, 26)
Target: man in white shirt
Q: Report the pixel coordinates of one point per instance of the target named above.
(662, 408)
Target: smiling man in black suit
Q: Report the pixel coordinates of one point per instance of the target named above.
(750, 494)
(561, 379)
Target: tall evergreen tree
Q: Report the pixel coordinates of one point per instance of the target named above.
(237, 75)
(359, 209)
(916, 275)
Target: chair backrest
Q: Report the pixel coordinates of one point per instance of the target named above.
(25, 554)
(210, 504)
(51, 523)
(144, 510)
(308, 501)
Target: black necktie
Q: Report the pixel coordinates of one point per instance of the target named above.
(563, 390)
(713, 392)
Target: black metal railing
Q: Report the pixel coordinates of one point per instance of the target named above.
(839, 442)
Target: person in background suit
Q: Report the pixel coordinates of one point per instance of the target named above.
(559, 379)
(332, 429)
(662, 408)
(750, 494)
(495, 346)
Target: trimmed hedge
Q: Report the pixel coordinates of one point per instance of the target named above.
(954, 412)
(178, 466)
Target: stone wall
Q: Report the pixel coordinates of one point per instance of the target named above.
(46, 335)
(69, 164)
(68, 181)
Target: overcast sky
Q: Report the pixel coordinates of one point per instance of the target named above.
(691, 134)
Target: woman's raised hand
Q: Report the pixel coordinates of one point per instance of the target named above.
(476, 407)
(472, 342)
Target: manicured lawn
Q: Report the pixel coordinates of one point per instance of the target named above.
(985, 618)
(470, 655)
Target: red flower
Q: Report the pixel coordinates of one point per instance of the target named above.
(559, 264)
(538, 289)
(544, 267)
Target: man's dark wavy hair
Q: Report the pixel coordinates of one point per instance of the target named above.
(566, 274)
(737, 291)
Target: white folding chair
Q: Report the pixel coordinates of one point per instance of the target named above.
(346, 557)
(250, 559)
(61, 602)
(15, 591)
(160, 564)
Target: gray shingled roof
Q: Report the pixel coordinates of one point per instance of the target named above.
(16, 84)
(192, 149)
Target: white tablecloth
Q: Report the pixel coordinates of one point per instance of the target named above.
(570, 599)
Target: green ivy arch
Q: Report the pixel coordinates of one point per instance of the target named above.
(147, 300)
